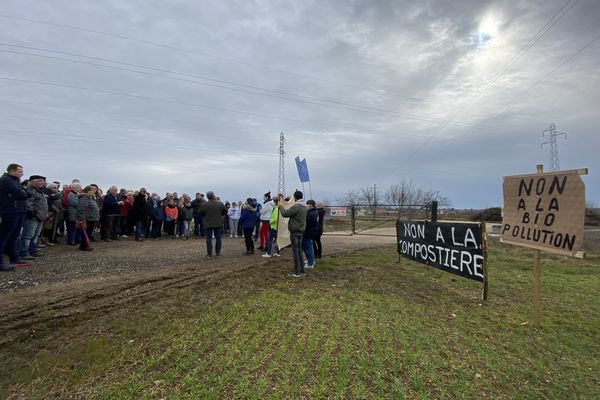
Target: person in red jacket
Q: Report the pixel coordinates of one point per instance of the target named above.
(126, 225)
(171, 215)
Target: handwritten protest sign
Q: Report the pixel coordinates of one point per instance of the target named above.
(450, 246)
(544, 211)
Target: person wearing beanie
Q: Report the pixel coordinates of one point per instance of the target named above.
(296, 226)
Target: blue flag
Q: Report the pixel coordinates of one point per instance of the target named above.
(302, 169)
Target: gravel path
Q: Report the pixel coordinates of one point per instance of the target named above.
(66, 281)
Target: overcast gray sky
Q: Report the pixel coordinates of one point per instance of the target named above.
(191, 96)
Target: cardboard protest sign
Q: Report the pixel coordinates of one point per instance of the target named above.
(450, 246)
(544, 211)
(283, 233)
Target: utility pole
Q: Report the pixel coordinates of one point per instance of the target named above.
(374, 201)
(552, 135)
(281, 178)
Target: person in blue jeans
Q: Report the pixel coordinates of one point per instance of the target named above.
(273, 222)
(12, 215)
(36, 214)
(248, 221)
(71, 213)
(311, 231)
(213, 212)
(296, 226)
(199, 230)
(139, 213)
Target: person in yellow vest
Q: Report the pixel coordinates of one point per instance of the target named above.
(273, 231)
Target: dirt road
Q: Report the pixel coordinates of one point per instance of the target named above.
(66, 282)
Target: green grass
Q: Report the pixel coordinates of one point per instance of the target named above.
(358, 326)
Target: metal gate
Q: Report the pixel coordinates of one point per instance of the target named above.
(373, 220)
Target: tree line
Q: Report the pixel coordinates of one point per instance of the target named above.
(403, 194)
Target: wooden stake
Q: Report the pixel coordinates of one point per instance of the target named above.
(537, 279)
(537, 290)
(485, 264)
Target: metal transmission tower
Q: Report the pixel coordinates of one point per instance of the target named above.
(551, 134)
(281, 179)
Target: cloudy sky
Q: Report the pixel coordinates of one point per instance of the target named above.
(191, 96)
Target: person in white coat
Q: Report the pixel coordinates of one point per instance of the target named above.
(234, 218)
(265, 217)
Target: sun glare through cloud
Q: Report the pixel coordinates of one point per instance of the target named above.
(487, 32)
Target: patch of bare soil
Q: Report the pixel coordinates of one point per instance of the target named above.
(66, 281)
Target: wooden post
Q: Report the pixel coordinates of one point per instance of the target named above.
(397, 242)
(353, 219)
(485, 293)
(434, 211)
(537, 290)
(537, 278)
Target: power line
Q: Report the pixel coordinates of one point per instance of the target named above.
(441, 130)
(300, 99)
(525, 48)
(149, 98)
(225, 59)
(111, 140)
(568, 60)
(72, 121)
(199, 53)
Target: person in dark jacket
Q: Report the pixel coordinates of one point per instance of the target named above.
(213, 212)
(71, 214)
(158, 217)
(317, 240)
(151, 204)
(186, 213)
(36, 214)
(12, 215)
(198, 219)
(88, 216)
(111, 211)
(311, 231)
(138, 213)
(248, 222)
(296, 226)
(55, 209)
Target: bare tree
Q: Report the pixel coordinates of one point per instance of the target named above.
(426, 197)
(401, 194)
(351, 198)
(368, 197)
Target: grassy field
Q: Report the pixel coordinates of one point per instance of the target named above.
(358, 326)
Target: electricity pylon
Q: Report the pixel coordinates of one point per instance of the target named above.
(552, 135)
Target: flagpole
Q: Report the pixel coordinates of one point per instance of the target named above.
(310, 188)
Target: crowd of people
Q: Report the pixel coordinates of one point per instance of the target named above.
(35, 213)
